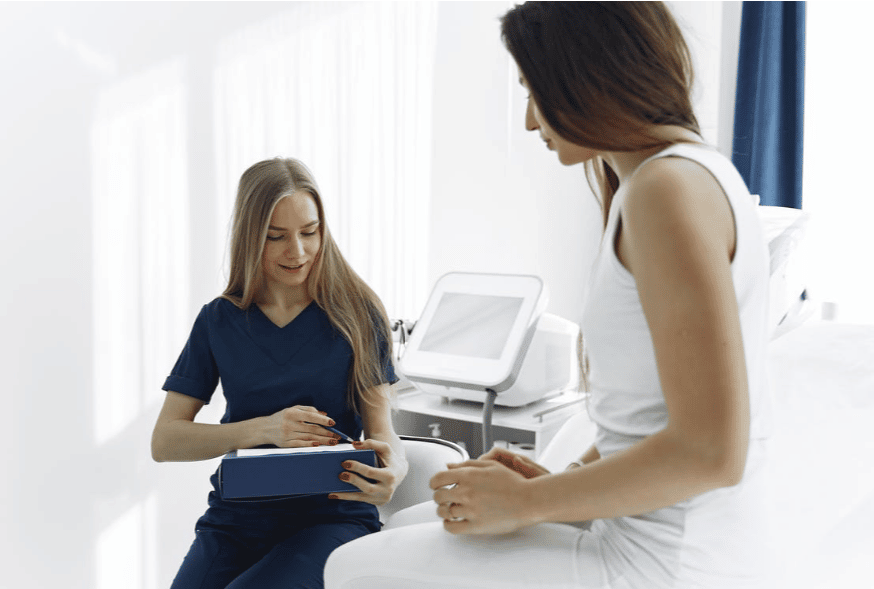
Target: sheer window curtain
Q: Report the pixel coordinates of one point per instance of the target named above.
(346, 88)
(140, 218)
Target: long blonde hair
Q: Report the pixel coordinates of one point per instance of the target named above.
(350, 304)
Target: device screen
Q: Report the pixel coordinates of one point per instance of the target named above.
(471, 325)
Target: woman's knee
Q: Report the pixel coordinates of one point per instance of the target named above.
(214, 560)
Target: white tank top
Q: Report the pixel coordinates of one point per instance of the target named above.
(626, 401)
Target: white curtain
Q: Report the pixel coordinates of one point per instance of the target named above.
(140, 219)
(346, 88)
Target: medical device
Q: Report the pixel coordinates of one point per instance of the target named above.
(486, 338)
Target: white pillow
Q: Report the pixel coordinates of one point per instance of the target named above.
(784, 229)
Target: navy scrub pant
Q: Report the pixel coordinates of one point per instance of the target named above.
(272, 544)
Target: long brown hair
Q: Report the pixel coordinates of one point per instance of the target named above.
(350, 304)
(602, 73)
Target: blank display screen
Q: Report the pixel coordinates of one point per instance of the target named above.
(471, 325)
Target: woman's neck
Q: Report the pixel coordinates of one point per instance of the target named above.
(282, 299)
(624, 163)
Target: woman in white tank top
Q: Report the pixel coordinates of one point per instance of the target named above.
(672, 491)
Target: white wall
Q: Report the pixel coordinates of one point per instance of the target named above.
(501, 202)
(712, 31)
(77, 513)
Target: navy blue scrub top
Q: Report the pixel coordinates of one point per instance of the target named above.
(265, 368)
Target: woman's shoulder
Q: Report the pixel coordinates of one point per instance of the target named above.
(679, 171)
(690, 164)
(677, 196)
(220, 309)
(671, 175)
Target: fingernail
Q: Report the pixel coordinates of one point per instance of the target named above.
(347, 464)
(332, 496)
(344, 476)
(332, 423)
(315, 443)
(332, 442)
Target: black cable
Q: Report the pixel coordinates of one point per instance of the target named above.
(488, 407)
(404, 329)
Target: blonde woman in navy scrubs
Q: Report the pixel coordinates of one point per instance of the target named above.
(298, 341)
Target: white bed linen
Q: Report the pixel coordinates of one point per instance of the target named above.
(822, 378)
(822, 484)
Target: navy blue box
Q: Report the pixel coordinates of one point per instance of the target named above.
(281, 472)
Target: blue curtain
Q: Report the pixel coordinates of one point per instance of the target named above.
(769, 105)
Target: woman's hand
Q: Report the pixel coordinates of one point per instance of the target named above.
(521, 464)
(298, 426)
(383, 480)
(484, 496)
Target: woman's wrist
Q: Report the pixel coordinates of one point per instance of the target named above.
(534, 501)
(238, 435)
(257, 433)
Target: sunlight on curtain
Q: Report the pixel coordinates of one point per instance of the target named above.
(346, 88)
(837, 192)
(140, 243)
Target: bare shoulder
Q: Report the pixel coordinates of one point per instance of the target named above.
(668, 180)
(677, 196)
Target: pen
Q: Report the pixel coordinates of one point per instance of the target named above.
(343, 436)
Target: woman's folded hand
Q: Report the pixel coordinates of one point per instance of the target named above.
(377, 484)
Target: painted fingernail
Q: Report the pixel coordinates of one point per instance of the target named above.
(344, 476)
(332, 423)
(333, 442)
(315, 443)
(332, 496)
(347, 464)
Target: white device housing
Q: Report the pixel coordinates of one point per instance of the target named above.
(488, 331)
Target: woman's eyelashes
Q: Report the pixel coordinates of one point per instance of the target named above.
(280, 237)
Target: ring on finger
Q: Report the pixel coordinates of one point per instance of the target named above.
(454, 518)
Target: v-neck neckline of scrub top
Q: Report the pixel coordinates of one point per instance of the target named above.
(281, 327)
(282, 343)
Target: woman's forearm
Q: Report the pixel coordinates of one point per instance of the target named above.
(181, 440)
(657, 472)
